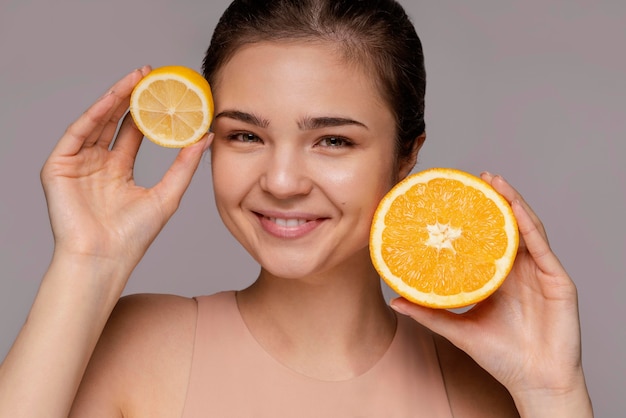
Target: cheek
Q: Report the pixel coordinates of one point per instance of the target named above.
(226, 180)
(360, 187)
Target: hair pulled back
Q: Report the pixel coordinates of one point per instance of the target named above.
(374, 33)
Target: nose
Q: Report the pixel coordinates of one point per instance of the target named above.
(286, 174)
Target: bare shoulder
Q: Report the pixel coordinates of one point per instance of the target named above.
(471, 390)
(141, 364)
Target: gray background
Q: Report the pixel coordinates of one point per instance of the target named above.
(532, 89)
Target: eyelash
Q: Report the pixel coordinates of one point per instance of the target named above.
(245, 137)
(248, 137)
(344, 142)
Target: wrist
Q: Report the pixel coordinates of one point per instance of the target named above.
(571, 402)
(92, 277)
(98, 261)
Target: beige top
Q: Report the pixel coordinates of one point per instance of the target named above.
(233, 376)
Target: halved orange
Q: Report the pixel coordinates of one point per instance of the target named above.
(172, 106)
(443, 238)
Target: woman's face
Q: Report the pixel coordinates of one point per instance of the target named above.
(303, 153)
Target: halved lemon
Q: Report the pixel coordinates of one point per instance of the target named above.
(172, 106)
(443, 238)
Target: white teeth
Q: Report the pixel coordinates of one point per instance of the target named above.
(288, 222)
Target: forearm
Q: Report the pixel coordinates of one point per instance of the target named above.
(42, 371)
(572, 403)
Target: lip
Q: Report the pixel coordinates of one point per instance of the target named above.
(288, 225)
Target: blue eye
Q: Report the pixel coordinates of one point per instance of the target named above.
(334, 142)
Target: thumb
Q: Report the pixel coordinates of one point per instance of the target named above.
(452, 326)
(178, 177)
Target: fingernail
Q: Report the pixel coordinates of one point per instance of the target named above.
(142, 70)
(397, 308)
(108, 93)
(208, 141)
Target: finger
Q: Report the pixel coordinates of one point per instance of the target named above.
(449, 325)
(536, 243)
(511, 194)
(178, 177)
(128, 138)
(104, 136)
(505, 189)
(107, 134)
(93, 121)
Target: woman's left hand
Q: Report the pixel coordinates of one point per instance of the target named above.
(527, 334)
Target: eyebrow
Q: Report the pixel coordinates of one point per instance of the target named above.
(308, 123)
(327, 121)
(244, 117)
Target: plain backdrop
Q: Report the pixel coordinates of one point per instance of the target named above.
(534, 90)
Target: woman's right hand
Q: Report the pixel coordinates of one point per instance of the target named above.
(95, 207)
(102, 223)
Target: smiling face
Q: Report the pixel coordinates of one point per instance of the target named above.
(303, 153)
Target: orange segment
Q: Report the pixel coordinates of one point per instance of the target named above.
(172, 106)
(443, 238)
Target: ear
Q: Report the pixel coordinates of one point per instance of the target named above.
(406, 164)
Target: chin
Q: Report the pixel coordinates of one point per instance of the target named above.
(289, 272)
(300, 268)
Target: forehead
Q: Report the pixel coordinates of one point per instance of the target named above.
(330, 51)
(299, 73)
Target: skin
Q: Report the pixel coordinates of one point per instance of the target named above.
(137, 363)
(293, 168)
(102, 224)
(541, 366)
(313, 135)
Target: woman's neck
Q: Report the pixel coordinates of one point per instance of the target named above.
(334, 326)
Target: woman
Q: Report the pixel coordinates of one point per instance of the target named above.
(319, 111)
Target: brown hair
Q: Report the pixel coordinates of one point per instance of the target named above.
(374, 33)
